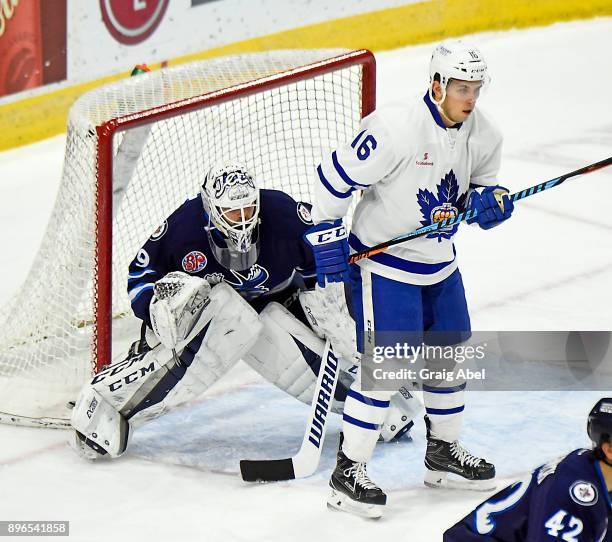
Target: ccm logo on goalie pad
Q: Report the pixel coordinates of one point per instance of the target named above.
(132, 377)
(122, 367)
(324, 399)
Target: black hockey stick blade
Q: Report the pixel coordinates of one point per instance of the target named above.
(273, 470)
(305, 462)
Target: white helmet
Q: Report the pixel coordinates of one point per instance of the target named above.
(456, 59)
(230, 189)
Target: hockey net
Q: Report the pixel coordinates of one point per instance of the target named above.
(135, 150)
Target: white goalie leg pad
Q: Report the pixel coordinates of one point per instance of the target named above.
(404, 407)
(147, 385)
(283, 352)
(100, 429)
(329, 318)
(232, 328)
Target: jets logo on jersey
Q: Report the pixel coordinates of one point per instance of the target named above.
(159, 232)
(194, 262)
(251, 283)
(583, 493)
(304, 213)
(443, 205)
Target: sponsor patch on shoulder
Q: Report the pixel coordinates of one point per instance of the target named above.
(584, 493)
(160, 231)
(194, 262)
(304, 213)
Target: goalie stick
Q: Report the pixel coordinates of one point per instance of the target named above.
(305, 462)
(536, 189)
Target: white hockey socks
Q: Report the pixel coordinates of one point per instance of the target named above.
(364, 413)
(444, 407)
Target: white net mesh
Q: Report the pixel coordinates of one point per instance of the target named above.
(46, 330)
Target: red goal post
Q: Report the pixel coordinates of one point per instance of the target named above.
(135, 150)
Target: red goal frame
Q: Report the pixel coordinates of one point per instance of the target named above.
(102, 333)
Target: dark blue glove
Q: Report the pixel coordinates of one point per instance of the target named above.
(330, 248)
(492, 205)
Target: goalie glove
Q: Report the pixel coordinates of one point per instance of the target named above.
(492, 205)
(177, 303)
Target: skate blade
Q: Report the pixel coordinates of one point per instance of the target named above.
(437, 479)
(340, 501)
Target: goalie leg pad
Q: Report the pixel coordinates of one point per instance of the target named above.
(288, 354)
(148, 384)
(403, 409)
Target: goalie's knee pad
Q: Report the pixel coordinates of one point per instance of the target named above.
(147, 384)
(288, 354)
(403, 409)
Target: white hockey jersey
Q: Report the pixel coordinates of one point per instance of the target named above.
(413, 171)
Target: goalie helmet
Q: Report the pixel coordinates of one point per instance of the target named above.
(231, 201)
(456, 59)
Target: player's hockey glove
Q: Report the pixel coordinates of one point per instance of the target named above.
(492, 205)
(330, 247)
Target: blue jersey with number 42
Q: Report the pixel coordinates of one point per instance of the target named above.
(565, 500)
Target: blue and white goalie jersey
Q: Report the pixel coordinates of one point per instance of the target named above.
(284, 261)
(565, 500)
(414, 171)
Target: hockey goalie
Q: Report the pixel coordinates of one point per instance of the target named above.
(226, 277)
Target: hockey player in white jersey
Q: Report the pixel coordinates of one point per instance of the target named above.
(415, 165)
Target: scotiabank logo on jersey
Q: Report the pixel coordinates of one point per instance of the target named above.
(194, 262)
(132, 21)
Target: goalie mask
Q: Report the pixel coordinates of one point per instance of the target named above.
(231, 201)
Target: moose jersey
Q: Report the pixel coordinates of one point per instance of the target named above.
(181, 244)
(413, 171)
(565, 500)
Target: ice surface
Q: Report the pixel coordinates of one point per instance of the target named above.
(548, 268)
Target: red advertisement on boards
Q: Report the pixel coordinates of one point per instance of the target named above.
(32, 44)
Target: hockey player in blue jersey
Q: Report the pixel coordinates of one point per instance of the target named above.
(566, 499)
(225, 277)
(414, 165)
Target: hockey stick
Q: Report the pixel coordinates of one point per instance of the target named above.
(536, 189)
(305, 462)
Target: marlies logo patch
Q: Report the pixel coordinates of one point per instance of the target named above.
(425, 161)
(194, 262)
(443, 207)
